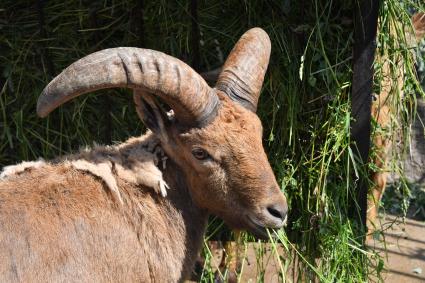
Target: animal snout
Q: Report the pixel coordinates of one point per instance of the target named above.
(277, 213)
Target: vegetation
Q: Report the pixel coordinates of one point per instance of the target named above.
(304, 107)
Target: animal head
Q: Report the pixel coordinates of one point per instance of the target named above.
(214, 134)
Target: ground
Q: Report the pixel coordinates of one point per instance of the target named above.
(406, 241)
(405, 255)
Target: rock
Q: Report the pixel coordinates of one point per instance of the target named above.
(417, 270)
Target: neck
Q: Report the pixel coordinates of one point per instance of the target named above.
(170, 228)
(177, 226)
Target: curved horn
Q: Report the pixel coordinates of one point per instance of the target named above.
(192, 100)
(245, 67)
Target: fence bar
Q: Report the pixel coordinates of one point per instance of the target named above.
(365, 26)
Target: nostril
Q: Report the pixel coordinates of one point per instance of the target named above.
(276, 211)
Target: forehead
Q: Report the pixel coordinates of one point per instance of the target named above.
(232, 122)
(237, 118)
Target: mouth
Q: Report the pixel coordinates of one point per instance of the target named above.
(260, 231)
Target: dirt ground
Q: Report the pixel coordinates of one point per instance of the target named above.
(405, 251)
(406, 241)
(404, 255)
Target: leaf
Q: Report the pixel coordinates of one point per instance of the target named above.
(312, 81)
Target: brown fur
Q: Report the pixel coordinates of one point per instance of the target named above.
(58, 223)
(381, 112)
(134, 161)
(240, 177)
(93, 216)
(21, 167)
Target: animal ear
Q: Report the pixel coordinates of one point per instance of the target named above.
(243, 72)
(151, 113)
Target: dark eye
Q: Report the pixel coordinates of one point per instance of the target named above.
(200, 154)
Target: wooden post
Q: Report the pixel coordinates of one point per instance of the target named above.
(365, 26)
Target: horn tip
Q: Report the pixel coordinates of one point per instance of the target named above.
(259, 33)
(42, 109)
(41, 112)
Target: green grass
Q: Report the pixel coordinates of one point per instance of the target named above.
(305, 102)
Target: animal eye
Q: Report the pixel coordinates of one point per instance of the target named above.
(200, 153)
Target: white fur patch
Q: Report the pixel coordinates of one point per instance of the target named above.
(102, 170)
(135, 161)
(20, 168)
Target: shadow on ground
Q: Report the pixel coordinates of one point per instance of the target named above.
(405, 250)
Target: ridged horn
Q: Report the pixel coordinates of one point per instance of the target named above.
(245, 67)
(178, 85)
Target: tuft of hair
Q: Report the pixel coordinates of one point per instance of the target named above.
(136, 161)
(17, 169)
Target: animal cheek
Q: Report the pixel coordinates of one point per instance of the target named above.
(218, 180)
(210, 183)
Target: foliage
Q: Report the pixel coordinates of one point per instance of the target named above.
(304, 106)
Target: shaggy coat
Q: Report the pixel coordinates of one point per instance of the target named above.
(104, 215)
(61, 224)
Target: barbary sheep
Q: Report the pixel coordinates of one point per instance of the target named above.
(97, 216)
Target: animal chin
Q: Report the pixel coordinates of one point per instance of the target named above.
(246, 223)
(251, 224)
(257, 229)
